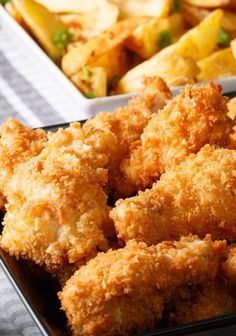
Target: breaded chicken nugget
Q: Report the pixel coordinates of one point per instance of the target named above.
(122, 291)
(208, 301)
(197, 116)
(198, 196)
(18, 144)
(229, 267)
(57, 211)
(126, 124)
(232, 108)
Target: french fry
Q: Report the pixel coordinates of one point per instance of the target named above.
(87, 53)
(91, 81)
(211, 3)
(168, 64)
(130, 8)
(218, 65)
(146, 38)
(88, 25)
(114, 62)
(233, 47)
(14, 13)
(200, 41)
(194, 15)
(42, 23)
(71, 6)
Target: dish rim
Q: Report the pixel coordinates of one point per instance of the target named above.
(228, 83)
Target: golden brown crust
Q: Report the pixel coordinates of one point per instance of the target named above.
(121, 291)
(211, 300)
(198, 196)
(18, 144)
(229, 267)
(125, 125)
(197, 116)
(57, 212)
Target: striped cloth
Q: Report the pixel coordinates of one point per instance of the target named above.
(30, 95)
(27, 94)
(27, 91)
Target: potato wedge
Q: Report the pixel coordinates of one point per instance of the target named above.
(87, 53)
(218, 65)
(233, 47)
(130, 8)
(200, 41)
(194, 15)
(92, 82)
(211, 3)
(114, 62)
(168, 64)
(146, 38)
(71, 6)
(11, 9)
(88, 25)
(41, 23)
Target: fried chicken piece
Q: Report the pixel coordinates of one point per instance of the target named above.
(58, 197)
(232, 115)
(126, 124)
(211, 300)
(198, 196)
(197, 116)
(122, 291)
(229, 267)
(232, 108)
(57, 211)
(232, 143)
(18, 144)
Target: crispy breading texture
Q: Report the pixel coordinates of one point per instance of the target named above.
(198, 196)
(232, 108)
(211, 300)
(126, 124)
(57, 212)
(122, 291)
(197, 116)
(232, 115)
(58, 199)
(229, 267)
(18, 144)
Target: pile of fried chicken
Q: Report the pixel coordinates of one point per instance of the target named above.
(134, 212)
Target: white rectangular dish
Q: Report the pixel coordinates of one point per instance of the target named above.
(82, 106)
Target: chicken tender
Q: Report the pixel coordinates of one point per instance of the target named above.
(122, 291)
(198, 196)
(229, 267)
(126, 125)
(17, 145)
(232, 108)
(197, 116)
(58, 197)
(210, 301)
(57, 211)
(232, 115)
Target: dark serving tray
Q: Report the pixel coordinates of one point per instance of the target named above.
(38, 292)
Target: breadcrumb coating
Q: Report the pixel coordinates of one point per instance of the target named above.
(197, 116)
(120, 292)
(198, 196)
(125, 125)
(229, 267)
(18, 144)
(211, 300)
(57, 210)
